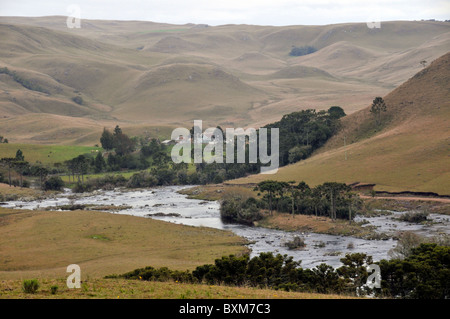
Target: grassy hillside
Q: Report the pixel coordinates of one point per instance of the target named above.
(41, 243)
(139, 73)
(409, 151)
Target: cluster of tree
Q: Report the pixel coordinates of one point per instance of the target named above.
(332, 199)
(335, 200)
(300, 133)
(425, 274)
(3, 140)
(23, 168)
(106, 182)
(303, 132)
(141, 154)
(303, 50)
(118, 141)
(30, 85)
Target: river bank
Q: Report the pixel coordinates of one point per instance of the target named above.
(372, 207)
(326, 240)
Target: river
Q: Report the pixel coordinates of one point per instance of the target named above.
(174, 207)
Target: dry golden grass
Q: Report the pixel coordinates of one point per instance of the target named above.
(43, 244)
(308, 223)
(143, 73)
(409, 152)
(10, 192)
(95, 288)
(40, 245)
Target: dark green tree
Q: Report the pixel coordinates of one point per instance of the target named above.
(117, 130)
(99, 163)
(8, 162)
(377, 108)
(123, 144)
(336, 112)
(41, 172)
(107, 140)
(21, 166)
(334, 192)
(54, 183)
(354, 271)
(272, 188)
(19, 155)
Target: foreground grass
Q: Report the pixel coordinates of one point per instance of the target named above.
(134, 289)
(43, 243)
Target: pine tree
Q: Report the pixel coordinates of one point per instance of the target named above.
(378, 106)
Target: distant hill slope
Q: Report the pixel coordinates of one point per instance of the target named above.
(144, 73)
(410, 151)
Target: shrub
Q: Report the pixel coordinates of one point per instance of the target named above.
(160, 274)
(239, 208)
(414, 217)
(106, 182)
(405, 245)
(30, 286)
(78, 100)
(164, 176)
(142, 179)
(296, 243)
(81, 188)
(54, 183)
(424, 274)
(304, 50)
(53, 289)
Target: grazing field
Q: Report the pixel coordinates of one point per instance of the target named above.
(41, 244)
(44, 243)
(45, 154)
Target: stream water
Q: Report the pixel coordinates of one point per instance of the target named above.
(171, 206)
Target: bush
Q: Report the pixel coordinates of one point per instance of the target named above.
(164, 176)
(30, 286)
(407, 242)
(78, 100)
(53, 290)
(161, 274)
(414, 217)
(54, 183)
(296, 243)
(106, 182)
(239, 208)
(142, 179)
(424, 274)
(304, 50)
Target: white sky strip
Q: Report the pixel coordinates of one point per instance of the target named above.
(259, 12)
